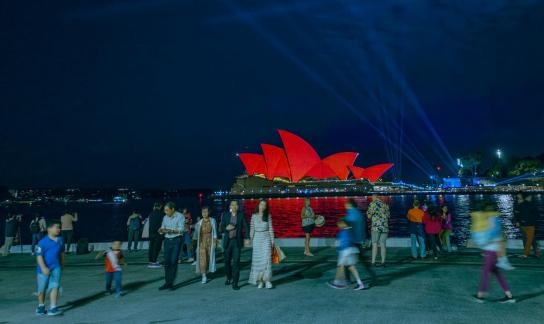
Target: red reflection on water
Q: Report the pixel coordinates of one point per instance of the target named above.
(286, 213)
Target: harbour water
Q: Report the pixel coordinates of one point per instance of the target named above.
(102, 222)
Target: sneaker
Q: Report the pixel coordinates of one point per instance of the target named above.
(269, 285)
(191, 260)
(54, 311)
(204, 281)
(477, 299)
(260, 285)
(507, 300)
(504, 264)
(119, 295)
(165, 286)
(360, 287)
(193, 264)
(40, 310)
(336, 286)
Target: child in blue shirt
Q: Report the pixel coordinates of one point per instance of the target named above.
(50, 258)
(348, 256)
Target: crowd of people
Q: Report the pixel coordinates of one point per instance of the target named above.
(179, 238)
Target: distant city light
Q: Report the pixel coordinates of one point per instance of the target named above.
(499, 154)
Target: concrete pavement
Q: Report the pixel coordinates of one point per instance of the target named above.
(424, 291)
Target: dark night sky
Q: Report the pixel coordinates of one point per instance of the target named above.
(161, 93)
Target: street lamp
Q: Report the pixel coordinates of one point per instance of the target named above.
(499, 154)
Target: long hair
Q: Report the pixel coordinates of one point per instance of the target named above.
(265, 211)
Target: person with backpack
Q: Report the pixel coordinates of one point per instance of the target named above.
(134, 224)
(37, 227)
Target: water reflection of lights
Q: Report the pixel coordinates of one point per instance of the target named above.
(505, 204)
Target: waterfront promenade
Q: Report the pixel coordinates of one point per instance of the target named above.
(423, 291)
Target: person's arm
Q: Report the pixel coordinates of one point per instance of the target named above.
(244, 226)
(252, 228)
(74, 217)
(41, 264)
(62, 260)
(162, 229)
(223, 225)
(271, 228)
(99, 255)
(128, 221)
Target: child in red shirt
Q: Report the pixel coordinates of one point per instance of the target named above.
(433, 226)
(112, 263)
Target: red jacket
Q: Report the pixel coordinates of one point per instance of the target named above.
(432, 226)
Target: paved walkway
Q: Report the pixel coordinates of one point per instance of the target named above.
(425, 291)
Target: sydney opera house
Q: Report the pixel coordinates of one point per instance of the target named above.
(297, 166)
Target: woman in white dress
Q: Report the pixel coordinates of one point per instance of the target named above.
(262, 236)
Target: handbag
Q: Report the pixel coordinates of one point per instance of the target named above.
(277, 255)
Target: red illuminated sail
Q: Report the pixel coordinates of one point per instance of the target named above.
(340, 163)
(254, 163)
(276, 162)
(301, 156)
(372, 173)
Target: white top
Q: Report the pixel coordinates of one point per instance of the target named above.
(176, 222)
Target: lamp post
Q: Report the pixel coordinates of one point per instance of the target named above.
(499, 154)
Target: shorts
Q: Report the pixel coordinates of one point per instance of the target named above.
(49, 282)
(379, 237)
(308, 228)
(348, 257)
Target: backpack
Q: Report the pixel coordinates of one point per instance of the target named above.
(35, 227)
(135, 223)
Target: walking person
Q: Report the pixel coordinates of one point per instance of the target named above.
(526, 218)
(308, 224)
(417, 232)
(378, 213)
(173, 226)
(487, 234)
(186, 241)
(206, 237)
(236, 231)
(36, 229)
(347, 254)
(12, 223)
(262, 237)
(134, 226)
(155, 238)
(50, 259)
(447, 227)
(67, 228)
(112, 264)
(433, 226)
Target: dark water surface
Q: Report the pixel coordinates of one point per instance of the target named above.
(101, 222)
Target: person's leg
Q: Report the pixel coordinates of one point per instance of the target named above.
(374, 252)
(490, 259)
(35, 240)
(175, 259)
(150, 251)
(53, 296)
(448, 240)
(168, 266)
(187, 238)
(69, 237)
(9, 244)
(118, 276)
(413, 239)
(228, 260)
(355, 273)
(109, 277)
(130, 239)
(432, 244)
(530, 232)
(422, 251)
(236, 253)
(340, 277)
(383, 247)
(535, 244)
(136, 239)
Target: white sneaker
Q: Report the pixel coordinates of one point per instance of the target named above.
(260, 286)
(191, 260)
(269, 285)
(193, 264)
(204, 280)
(504, 264)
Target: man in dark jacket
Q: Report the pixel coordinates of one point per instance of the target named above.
(235, 229)
(526, 216)
(155, 239)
